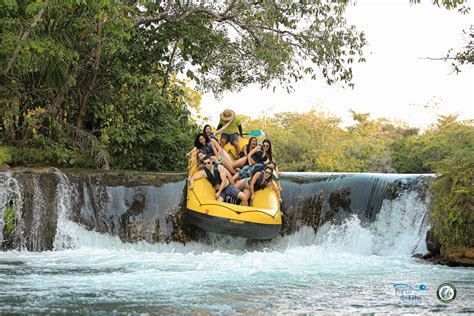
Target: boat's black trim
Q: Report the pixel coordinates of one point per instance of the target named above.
(232, 227)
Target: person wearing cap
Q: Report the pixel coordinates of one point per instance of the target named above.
(232, 131)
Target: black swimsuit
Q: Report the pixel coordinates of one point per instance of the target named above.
(259, 157)
(261, 183)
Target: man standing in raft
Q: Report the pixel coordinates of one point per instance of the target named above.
(232, 131)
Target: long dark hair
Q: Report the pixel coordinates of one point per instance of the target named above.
(248, 145)
(204, 129)
(269, 151)
(197, 143)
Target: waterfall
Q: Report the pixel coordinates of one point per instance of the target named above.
(52, 209)
(65, 232)
(399, 230)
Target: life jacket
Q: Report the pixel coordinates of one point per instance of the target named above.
(261, 183)
(258, 157)
(209, 149)
(214, 179)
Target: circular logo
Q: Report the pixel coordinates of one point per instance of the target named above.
(422, 287)
(446, 292)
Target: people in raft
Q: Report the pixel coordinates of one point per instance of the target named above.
(259, 180)
(253, 159)
(216, 175)
(199, 165)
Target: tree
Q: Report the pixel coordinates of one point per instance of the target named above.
(234, 43)
(76, 73)
(465, 55)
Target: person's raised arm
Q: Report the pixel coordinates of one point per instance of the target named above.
(252, 184)
(221, 128)
(253, 151)
(272, 186)
(224, 181)
(195, 177)
(191, 152)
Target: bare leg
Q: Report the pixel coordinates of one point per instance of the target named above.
(243, 198)
(236, 177)
(215, 146)
(223, 142)
(237, 147)
(247, 194)
(240, 184)
(239, 163)
(225, 155)
(229, 177)
(228, 166)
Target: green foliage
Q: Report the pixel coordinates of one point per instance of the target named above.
(5, 155)
(417, 154)
(453, 207)
(41, 150)
(9, 222)
(461, 5)
(315, 141)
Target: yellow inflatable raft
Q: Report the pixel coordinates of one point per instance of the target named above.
(260, 220)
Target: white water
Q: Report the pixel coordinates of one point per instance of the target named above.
(346, 268)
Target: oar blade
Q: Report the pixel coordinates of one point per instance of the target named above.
(256, 133)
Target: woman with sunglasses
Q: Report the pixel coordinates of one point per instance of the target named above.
(262, 180)
(247, 172)
(261, 154)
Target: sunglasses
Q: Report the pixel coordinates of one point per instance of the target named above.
(207, 162)
(268, 173)
(266, 146)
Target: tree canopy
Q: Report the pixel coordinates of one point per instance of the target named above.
(106, 77)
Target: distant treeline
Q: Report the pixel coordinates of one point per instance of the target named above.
(316, 141)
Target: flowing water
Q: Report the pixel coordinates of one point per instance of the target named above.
(350, 267)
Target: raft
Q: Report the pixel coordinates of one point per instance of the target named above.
(260, 220)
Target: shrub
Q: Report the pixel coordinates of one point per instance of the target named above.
(452, 210)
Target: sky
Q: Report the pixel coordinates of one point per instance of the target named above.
(395, 82)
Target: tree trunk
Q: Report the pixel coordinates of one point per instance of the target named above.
(169, 68)
(95, 69)
(55, 107)
(24, 37)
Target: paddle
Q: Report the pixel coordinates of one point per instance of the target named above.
(255, 133)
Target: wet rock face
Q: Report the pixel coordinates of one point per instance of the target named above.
(313, 199)
(28, 210)
(133, 206)
(457, 256)
(150, 206)
(432, 244)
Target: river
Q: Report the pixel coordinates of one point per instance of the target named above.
(350, 267)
